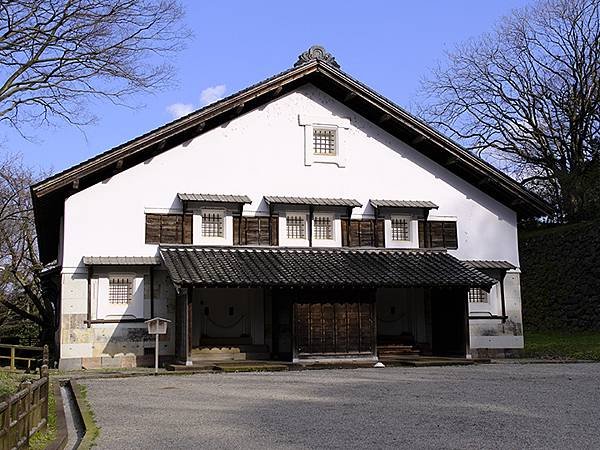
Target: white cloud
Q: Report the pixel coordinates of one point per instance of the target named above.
(178, 110)
(212, 94)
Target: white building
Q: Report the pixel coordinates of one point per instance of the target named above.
(304, 217)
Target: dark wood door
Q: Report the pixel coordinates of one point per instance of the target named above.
(334, 329)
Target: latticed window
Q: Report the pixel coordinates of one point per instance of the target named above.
(324, 141)
(399, 229)
(478, 295)
(120, 290)
(323, 227)
(296, 227)
(212, 224)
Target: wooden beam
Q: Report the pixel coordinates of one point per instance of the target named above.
(118, 166)
(75, 184)
(384, 118)
(350, 96)
(420, 138)
(277, 91)
(239, 108)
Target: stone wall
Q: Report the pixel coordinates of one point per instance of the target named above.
(561, 277)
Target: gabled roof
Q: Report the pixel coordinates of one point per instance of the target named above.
(314, 66)
(314, 201)
(425, 204)
(489, 264)
(121, 260)
(303, 267)
(214, 198)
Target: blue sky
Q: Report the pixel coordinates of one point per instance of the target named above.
(389, 45)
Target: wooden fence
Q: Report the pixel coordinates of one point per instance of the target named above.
(13, 357)
(25, 412)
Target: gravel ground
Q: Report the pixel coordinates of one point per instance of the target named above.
(488, 406)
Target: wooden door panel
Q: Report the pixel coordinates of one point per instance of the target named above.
(334, 328)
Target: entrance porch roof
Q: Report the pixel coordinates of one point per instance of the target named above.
(316, 267)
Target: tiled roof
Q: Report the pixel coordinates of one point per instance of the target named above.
(316, 267)
(489, 264)
(403, 204)
(214, 198)
(312, 201)
(121, 260)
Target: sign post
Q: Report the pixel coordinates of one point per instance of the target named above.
(157, 326)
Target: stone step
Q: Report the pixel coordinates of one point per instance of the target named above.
(224, 356)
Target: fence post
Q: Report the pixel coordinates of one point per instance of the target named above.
(45, 362)
(12, 358)
(27, 412)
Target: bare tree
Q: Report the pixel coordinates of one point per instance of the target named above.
(56, 54)
(23, 293)
(527, 97)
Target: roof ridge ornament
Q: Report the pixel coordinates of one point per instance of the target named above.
(317, 53)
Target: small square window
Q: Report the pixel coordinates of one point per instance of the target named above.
(120, 290)
(212, 224)
(323, 227)
(478, 295)
(324, 141)
(296, 227)
(400, 229)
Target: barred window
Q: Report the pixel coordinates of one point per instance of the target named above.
(324, 141)
(478, 295)
(400, 229)
(120, 290)
(296, 227)
(323, 227)
(212, 224)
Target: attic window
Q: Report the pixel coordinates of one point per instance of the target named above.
(478, 295)
(212, 223)
(400, 229)
(120, 290)
(324, 141)
(296, 227)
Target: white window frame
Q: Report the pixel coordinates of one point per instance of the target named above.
(335, 141)
(304, 217)
(331, 217)
(107, 310)
(340, 125)
(408, 221)
(212, 239)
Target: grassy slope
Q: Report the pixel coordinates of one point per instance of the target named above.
(562, 345)
(42, 439)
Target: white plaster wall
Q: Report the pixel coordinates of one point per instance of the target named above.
(262, 153)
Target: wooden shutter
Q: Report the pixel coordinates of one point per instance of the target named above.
(252, 228)
(379, 232)
(171, 229)
(436, 234)
(152, 228)
(263, 231)
(236, 230)
(274, 238)
(450, 235)
(354, 233)
(345, 225)
(422, 235)
(187, 229)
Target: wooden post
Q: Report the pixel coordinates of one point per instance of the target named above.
(12, 358)
(189, 323)
(90, 272)
(156, 354)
